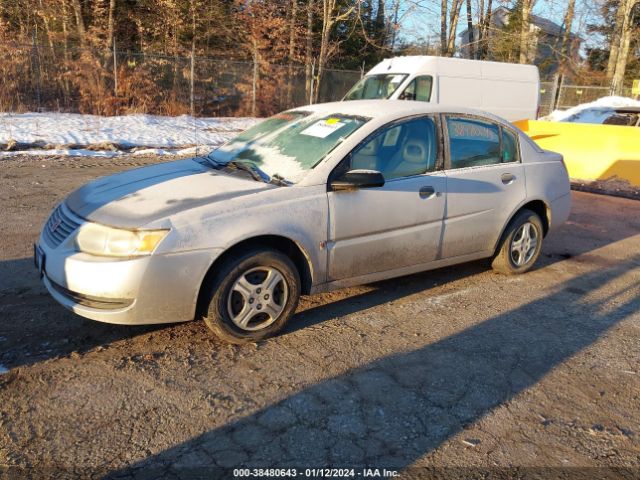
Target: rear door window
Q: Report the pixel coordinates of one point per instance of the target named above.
(472, 142)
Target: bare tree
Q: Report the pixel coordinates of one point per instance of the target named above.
(443, 28)
(470, 30)
(331, 15)
(615, 40)
(525, 33)
(308, 59)
(483, 31)
(625, 32)
(292, 49)
(77, 11)
(450, 14)
(565, 46)
(111, 22)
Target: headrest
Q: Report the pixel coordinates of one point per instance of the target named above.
(370, 148)
(415, 151)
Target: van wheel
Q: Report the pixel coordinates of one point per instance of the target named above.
(520, 245)
(252, 296)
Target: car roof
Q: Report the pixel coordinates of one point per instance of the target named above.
(391, 109)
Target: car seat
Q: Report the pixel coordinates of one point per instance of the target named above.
(414, 158)
(367, 157)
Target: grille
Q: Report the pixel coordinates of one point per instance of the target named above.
(59, 226)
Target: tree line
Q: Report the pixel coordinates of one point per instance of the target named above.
(120, 56)
(76, 41)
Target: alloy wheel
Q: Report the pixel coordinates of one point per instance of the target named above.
(257, 298)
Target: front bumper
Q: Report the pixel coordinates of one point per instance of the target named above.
(152, 289)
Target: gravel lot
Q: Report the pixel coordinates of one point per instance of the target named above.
(459, 367)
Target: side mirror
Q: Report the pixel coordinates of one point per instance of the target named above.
(355, 179)
(407, 96)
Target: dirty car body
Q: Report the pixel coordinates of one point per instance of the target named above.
(365, 191)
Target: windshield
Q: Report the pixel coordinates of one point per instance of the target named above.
(375, 86)
(288, 145)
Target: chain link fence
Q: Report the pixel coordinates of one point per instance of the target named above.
(555, 95)
(55, 78)
(62, 79)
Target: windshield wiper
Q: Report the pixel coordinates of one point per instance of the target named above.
(214, 163)
(279, 180)
(256, 172)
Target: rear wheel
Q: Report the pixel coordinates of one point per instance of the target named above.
(520, 245)
(252, 296)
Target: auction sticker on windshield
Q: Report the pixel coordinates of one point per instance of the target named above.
(323, 128)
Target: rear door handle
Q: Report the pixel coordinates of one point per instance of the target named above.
(508, 178)
(427, 192)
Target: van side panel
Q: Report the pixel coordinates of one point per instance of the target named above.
(510, 91)
(459, 91)
(512, 100)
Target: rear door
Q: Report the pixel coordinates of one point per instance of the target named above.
(485, 183)
(399, 224)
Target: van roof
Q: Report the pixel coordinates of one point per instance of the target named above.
(455, 67)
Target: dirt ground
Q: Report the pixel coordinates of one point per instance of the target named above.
(455, 368)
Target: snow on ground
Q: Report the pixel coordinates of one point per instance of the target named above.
(3, 369)
(594, 112)
(69, 133)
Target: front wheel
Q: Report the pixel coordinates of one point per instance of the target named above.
(252, 296)
(521, 244)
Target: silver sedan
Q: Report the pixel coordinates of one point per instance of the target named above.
(313, 199)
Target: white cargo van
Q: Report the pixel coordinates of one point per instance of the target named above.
(508, 90)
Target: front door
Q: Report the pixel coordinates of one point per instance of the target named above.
(399, 224)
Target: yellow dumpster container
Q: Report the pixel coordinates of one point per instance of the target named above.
(591, 151)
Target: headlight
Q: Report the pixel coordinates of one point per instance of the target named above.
(114, 242)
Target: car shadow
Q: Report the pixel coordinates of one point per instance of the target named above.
(34, 327)
(383, 292)
(391, 412)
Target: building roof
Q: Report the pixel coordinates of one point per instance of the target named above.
(500, 19)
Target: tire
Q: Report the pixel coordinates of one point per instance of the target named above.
(512, 256)
(251, 296)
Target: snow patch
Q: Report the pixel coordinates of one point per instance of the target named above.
(3, 369)
(275, 162)
(594, 112)
(76, 131)
(200, 150)
(69, 152)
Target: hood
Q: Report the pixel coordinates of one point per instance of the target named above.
(137, 197)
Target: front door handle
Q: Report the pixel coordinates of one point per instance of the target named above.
(508, 178)
(427, 192)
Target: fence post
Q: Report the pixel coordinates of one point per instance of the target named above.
(558, 91)
(191, 82)
(255, 84)
(115, 68)
(36, 58)
(554, 92)
(313, 77)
